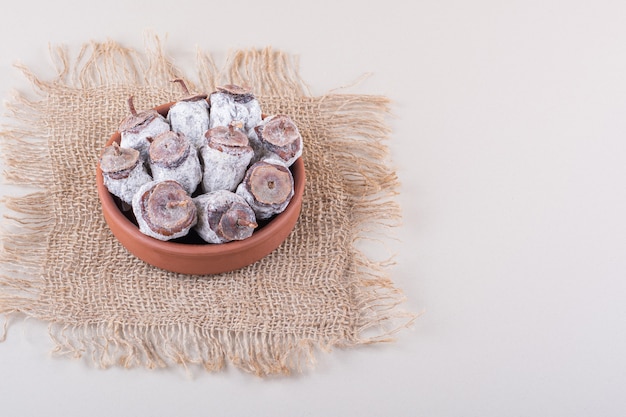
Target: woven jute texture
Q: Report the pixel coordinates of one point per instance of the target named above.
(61, 264)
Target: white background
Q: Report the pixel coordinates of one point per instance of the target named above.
(509, 139)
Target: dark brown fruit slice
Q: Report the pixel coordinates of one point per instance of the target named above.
(280, 135)
(118, 162)
(169, 149)
(237, 223)
(241, 94)
(269, 184)
(167, 209)
(228, 139)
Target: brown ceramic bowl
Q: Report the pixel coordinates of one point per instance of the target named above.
(191, 255)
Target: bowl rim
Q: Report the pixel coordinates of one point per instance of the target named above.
(194, 249)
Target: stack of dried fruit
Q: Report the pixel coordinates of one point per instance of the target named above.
(213, 165)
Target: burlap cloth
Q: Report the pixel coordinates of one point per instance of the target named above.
(61, 264)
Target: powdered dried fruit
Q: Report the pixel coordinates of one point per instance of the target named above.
(226, 154)
(190, 115)
(122, 171)
(223, 216)
(238, 154)
(139, 126)
(278, 136)
(173, 157)
(164, 210)
(267, 187)
(232, 103)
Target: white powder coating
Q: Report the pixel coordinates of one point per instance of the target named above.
(262, 150)
(263, 211)
(288, 162)
(143, 226)
(208, 203)
(138, 139)
(256, 145)
(125, 188)
(224, 110)
(188, 174)
(223, 171)
(190, 118)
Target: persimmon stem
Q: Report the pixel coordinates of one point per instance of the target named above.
(182, 84)
(131, 106)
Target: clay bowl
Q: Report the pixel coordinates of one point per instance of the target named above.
(190, 254)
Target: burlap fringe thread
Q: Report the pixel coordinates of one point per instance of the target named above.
(28, 225)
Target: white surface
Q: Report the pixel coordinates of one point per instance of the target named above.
(509, 138)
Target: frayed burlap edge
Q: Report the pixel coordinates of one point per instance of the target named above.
(358, 130)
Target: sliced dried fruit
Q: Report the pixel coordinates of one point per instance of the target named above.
(122, 171)
(226, 155)
(232, 103)
(267, 187)
(118, 162)
(279, 136)
(190, 115)
(223, 216)
(241, 94)
(173, 157)
(164, 210)
(136, 128)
